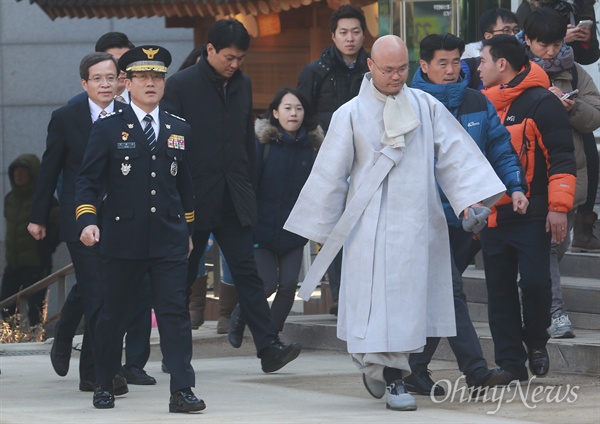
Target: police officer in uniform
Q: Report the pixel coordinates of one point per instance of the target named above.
(139, 154)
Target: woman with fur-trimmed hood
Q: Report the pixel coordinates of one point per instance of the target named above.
(287, 140)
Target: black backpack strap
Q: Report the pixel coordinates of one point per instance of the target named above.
(321, 73)
(474, 78)
(522, 108)
(575, 77)
(525, 105)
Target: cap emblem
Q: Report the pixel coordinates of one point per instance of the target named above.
(150, 52)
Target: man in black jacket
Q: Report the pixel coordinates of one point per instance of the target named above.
(215, 98)
(332, 80)
(335, 77)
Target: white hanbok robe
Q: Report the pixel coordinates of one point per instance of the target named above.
(396, 286)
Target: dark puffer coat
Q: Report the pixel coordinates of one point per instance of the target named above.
(328, 83)
(283, 164)
(22, 250)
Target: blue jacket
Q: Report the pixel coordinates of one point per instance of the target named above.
(479, 118)
(283, 165)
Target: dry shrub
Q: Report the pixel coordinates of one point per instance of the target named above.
(16, 328)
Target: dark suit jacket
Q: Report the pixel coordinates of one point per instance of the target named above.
(149, 206)
(68, 132)
(222, 152)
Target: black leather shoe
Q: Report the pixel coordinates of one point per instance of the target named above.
(421, 383)
(502, 378)
(482, 379)
(120, 385)
(278, 355)
(185, 401)
(60, 356)
(237, 325)
(539, 362)
(87, 386)
(137, 376)
(103, 399)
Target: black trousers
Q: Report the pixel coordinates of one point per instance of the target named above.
(465, 345)
(279, 272)
(137, 339)
(85, 299)
(512, 251)
(334, 275)
(236, 243)
(591, 161)
(122, 283)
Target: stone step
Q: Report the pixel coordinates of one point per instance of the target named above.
(580, 320)
(585, 265)
(578, 355)
(581, 295)
(581, 265)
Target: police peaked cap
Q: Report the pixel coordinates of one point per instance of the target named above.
(145, 59)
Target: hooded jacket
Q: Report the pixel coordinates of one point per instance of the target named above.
(542, 137)
(479, 118)
(22, 250)
(328, 82)
(283, 166)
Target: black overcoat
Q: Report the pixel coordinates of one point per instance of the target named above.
(222, 152)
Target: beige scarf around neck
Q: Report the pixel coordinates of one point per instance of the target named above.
(399, 118)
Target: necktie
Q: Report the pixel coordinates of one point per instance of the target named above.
(102, 113)
(149, 131)
(120, 99)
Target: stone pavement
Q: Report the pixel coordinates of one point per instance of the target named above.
(321, 386)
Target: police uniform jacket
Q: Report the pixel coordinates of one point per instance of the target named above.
(68, 133)
(149, 207)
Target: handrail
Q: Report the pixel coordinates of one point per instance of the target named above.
(56, 277)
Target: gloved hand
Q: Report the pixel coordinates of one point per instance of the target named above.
(477, 219)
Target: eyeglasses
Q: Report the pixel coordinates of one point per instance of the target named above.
(111, 79)
(508, 30)
(391, 72)
(145, 77)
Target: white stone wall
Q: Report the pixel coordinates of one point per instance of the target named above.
(39, 72)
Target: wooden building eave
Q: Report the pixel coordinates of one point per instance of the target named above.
(178, 9)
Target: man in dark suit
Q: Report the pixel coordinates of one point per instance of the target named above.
(68, 132)
(139, 154)
(137, 339)
(215, 97)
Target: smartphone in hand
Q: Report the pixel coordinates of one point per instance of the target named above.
(570, 94)
(586, 23)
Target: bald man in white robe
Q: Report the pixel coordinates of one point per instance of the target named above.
(373, 189)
